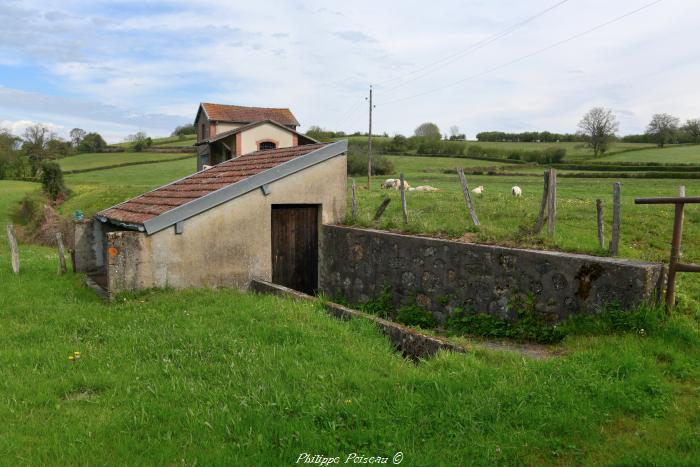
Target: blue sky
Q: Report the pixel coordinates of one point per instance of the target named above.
(120, 67)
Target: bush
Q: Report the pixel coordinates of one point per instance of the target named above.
(357, 165)
(92, 142)
(414, 315)
(52, 180)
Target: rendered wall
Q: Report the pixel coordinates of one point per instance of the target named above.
(228, 245)
(442, 275)
(266, 131)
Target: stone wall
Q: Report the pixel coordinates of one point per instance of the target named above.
(442, 275)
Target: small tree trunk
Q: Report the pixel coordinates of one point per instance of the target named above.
(354, 200)
(61, 254)
(601, 235)
(467, 196)
(615, 236)
(403, 200)
(14, 251)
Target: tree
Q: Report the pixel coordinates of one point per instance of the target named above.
(76, 136)
(428, 130)
(598, 127)
(52, 180)
(92, 142)
(662, 128)
(692, 129)
(184, 130)
(9, 152)
(36, 138)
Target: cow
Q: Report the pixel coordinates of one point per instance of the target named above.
(478, 190)
(516, 191)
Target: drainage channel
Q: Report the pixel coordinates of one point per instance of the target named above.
(411, 343)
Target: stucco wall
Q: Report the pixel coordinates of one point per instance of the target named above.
(228, 245)
(442, 275)
(222, 127)
(266, 131)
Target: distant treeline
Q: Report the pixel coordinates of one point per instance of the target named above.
(529, 137)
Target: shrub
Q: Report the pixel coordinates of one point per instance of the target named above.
(381, 305)
(357, 165)
(52, 180)
(414, 315)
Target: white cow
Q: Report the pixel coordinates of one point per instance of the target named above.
(478, 190)
(425, 188)
(394, 183)
(516, 191)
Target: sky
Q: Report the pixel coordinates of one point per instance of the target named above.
(125, 66)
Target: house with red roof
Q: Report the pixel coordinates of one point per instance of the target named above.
(228, 131)
(256, 215)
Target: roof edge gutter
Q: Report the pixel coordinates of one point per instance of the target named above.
(237, 189)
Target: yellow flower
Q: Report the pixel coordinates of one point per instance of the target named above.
(70, 357)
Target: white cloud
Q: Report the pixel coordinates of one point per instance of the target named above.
(147, 65)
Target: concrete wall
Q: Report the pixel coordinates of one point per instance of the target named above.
(266, 131)
(222, 127)
(84, 246)
(443, 275)
(228, 245)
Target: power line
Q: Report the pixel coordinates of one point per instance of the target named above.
(473, 48)
(532, 54)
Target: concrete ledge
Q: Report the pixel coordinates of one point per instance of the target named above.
(409, 341)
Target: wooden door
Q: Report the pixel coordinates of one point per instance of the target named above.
(295, 247)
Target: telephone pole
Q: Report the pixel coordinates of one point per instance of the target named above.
(369, 143)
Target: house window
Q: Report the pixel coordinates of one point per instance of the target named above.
(265, 145)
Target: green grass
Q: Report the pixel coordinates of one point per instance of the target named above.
(95, 160)
(679, 154)
(222, 377)
(189, 140)
(93, 191)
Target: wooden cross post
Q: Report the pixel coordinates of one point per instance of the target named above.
(380, 210)
(61, 254)
(543, 206)
(14, 251)
(601, 235)
(467, 196)
(674, 265)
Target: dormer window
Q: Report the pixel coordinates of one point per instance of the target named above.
(267, 145)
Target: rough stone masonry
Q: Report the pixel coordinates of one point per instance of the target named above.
(442, 275)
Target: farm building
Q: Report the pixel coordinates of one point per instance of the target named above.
(254, 216)
(228, 131)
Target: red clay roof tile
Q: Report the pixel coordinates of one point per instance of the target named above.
(240, 114)
(149, 205)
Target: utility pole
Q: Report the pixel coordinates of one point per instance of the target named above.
(369, 143)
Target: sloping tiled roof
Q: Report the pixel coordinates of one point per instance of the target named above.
(240, 114)
(143, 208)
(303, 139)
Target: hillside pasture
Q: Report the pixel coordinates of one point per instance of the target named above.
(97, 160)
(673, 154)
(223, 377)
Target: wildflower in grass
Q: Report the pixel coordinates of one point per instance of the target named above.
(76, 355)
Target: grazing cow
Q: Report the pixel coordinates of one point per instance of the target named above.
(394, 183)
(425, 188)
(478, 190)
(516, 191)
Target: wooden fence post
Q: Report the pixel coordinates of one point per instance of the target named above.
(543, 206)
(61, 254)
(675, 253)
(467, 196)
(13, 247)
(354, 200)
(403, 200)
(601, 234)
(381, 209)
(615, 235)
(552, 202)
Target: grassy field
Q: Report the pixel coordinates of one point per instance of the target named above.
(220, 377)
(94, 160)
(97, 190)
(166, 141)
(682, 154)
